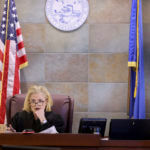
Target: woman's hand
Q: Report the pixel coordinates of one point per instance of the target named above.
(10, 129)
(40, 114)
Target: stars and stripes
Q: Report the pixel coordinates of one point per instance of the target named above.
(12, 55)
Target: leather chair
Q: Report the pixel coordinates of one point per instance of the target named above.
(62, 105)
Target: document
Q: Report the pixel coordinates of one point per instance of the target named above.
(51, 130)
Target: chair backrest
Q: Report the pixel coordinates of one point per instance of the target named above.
(62, 105)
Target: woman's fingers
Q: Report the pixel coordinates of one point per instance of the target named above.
(11, 128)
(40, 114)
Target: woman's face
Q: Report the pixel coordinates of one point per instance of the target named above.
(37, 101)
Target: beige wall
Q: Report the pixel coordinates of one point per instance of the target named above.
(90, 64)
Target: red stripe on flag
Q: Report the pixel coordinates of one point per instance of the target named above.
(20, 45)
(1, 55)
(16, 77)
(4, 84)
(0, 75)
(22, 59)
(18, 31)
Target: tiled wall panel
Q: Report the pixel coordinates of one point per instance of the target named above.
(112, 38)
(107, 97)
(109, 11)
(66, 67)
(106, 67)
(31, 11)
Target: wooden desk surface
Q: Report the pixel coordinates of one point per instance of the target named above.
(125, 143)
(72, 141)
(36, 139)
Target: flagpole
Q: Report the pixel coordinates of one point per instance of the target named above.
(4, 52)
(137, 65)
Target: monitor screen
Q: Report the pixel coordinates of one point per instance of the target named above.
(129, 129)
(92, 125)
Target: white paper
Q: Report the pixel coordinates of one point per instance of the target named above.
(51, 130)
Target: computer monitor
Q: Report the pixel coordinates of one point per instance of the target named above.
(129, 129)
(92, 125)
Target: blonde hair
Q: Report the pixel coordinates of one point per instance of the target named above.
(37, 89)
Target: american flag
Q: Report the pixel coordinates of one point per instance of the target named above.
(12, 55)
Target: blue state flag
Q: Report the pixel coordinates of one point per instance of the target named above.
(136, 63)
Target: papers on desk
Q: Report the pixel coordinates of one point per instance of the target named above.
(105, 138)
(51, 130)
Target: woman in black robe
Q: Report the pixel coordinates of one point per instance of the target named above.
(37, 114)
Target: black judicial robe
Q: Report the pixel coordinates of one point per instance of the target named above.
(25, 120)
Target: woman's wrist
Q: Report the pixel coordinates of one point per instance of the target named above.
(43, 121)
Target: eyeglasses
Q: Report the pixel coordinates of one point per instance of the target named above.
(39, 102)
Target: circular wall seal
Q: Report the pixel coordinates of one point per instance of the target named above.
(67, 15)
